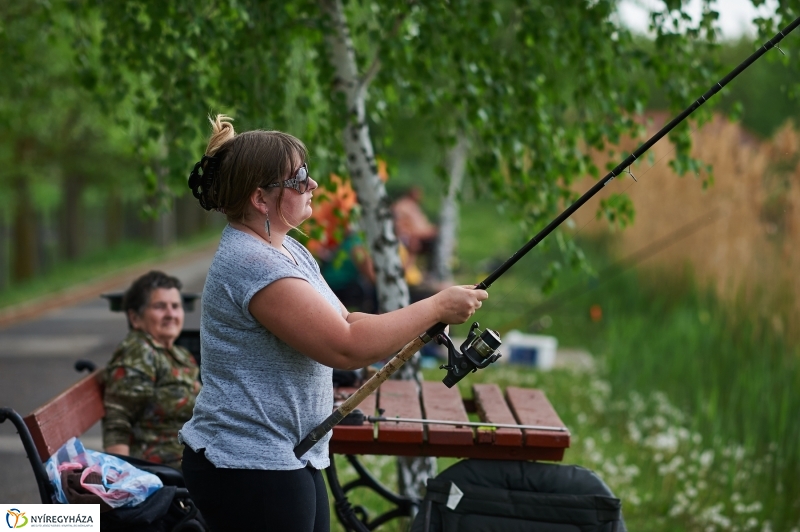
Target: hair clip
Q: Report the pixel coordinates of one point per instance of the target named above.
(202, 178)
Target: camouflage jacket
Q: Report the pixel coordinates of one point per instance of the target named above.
(150, 392)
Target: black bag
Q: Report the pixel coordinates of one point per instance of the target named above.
(167, 510)
(517, 496)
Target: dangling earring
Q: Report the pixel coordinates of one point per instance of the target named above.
(266, 226)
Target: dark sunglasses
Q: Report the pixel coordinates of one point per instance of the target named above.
(299, 182)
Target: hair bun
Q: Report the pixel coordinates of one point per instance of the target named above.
(221, 132)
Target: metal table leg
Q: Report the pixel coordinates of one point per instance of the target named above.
(356, 518)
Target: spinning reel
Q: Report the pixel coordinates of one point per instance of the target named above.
(477, 352)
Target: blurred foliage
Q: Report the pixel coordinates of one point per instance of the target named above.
(534, 84)
(111, 96)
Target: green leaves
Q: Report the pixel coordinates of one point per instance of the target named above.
(617, 209)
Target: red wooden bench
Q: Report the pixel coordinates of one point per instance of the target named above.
(518, 406)
(70, 414)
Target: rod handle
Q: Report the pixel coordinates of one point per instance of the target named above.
(362, 393)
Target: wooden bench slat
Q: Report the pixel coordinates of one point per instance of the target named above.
(531, 407)
(492, 407)
(485, 452)
(68, 415)
(442, 403)
(400, 399)
(363, 432)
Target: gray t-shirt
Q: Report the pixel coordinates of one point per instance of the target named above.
(260, 396)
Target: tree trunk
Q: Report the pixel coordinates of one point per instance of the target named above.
(24, 246)
(114, 218)
(448, 217)
(377, 216)
(166, 225)
(71, 227)
(391, 285)
(166, 228)
(3, 252)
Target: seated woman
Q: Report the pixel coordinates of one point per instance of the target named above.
(151, 383)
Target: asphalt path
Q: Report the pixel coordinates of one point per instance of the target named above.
(37, 356)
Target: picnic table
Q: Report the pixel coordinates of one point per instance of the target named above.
(544, 438)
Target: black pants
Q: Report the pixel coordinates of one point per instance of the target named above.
(257, 500)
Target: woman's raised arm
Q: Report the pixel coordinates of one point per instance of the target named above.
(293, 311)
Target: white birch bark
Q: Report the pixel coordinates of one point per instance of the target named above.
(448, 213)
(376, 212)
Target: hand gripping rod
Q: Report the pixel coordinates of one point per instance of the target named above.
(415, 345)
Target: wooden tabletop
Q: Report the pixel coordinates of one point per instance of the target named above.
(434, 401)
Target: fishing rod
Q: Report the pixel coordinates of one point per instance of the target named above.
(480, 348)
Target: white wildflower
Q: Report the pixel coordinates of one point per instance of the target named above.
(633, 499)
(673, 466)
(741, 508)
(664, 441)
(680, 505)
(714, 515)
(611, 468)
(706, 459)
(739, 454)
(634, 433)
(630, 472)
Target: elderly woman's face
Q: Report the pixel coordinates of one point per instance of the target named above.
(162, 317)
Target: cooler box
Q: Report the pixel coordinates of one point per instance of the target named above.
(530, 349)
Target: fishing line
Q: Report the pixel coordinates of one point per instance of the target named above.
(494, 302)
(614, 270)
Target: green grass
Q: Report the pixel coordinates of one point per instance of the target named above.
(691, 413)
(102, 263)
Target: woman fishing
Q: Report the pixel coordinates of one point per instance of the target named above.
(271, 332)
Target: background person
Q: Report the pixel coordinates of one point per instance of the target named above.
(150, 384)
(271, 330)
(412, 226)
